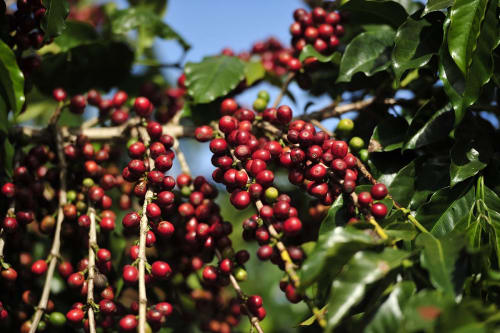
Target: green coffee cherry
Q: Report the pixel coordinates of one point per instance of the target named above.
(88, 182)
(81, 206)
(57, 319)
(131, 141)
(41, 326)
(71, 195)
(363, 155)
(263, 94)
(356, 143)
(240, 274)
(259, 104)
(271, 194)
(186, 191)
(345, 126)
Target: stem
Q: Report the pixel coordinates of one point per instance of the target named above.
(56, 243)
(253, 320)
(284, 87)
(91, 269)
(181, 157)
(144, 227)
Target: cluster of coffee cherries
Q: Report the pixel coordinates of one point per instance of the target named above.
(24, 25)
(319, 28)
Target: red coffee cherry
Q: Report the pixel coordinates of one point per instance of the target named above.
(165, 229)
(130, 274)
(240, 199)
(379, 210)
(265, 252)
(75, 316)
(210, 274)
(365, 199)
(203, 133)
(119, 98)
(103, 255)
(128, 323)
(226, 266)
(161, 270)
(284, 112)
(292, 226)
(39, 267)
(379, 191)
(76, 280)
(59, 94)
(254, 302)
(9, 274)
(153, 211)
(131, 220)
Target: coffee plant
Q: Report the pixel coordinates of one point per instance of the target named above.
(387, 222)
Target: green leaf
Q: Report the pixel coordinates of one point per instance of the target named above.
(333, 217)
(466, 18)
(402, 186)
(389, 134)
(492, 202)
(390, 12)
(435, 5)
(144, 18)
(309, 51)
(11, 78)
(213, 77)
(8, 157)
(424, 309)
(254, 71)
(468, 158)
(53, 23)
(4, 117)
(465, 90)
(429, 126)
(367, 53)
(38, 110)
(415, 43)
(333, 249)
(362, 270)
(438, 256)
(446, 209)
(389, 315)
(76, 33)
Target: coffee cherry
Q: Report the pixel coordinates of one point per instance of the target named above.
(259, 104)
(165, 229)
(59, 94)
(292, 295)
(96, 193)
(10, 224)
(228, 106)
(57, 319)
(264, 252)
(261, 313)
(130, 274)
(240, 199)
(76, 280)
(218, 146)
(379, 210)
(365, 199)
(325, 31)
(107, 306)
(39, 267)
(210, 274)
(119, 98)
(131, 220)
(161, 270)
(75, 316)
(292, 226)
(8, 190)
(153, 211)
(225, 266)
(77, 104)
(128, 323)
(356, 143)
(345, 126)
(203, 133)
(378, 191)
(9, 274)
(254, 302)
(339, 149)
(240, 274)
(65, 269)
(165, 308)
(103, 255)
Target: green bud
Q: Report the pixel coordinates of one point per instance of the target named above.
(259, 104)
(263, 94)
(356, 143)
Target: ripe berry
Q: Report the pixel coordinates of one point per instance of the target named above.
(210, 274)
(378, 191)
(240, 199)
(119, 98)
(39, 267)
(8, 190)
(131, 220)
(59, 94)
(226, 265)
(264, 252)
(9, 274)
(379, 210)
(284, 114)
(153, 211)
(339, 149)
(76, 280)
(10, 224)
(292, 226)
(161, 270)
(203, 133)
(77, 104)
(128, 323)
(254, 302)
(75, 316)
(218, 146)
(130, 274)
(228, 106)
(103, 255)
(165, 229)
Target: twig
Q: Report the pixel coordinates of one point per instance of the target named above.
(242, 297)
(56, 243)
(91, 269)
(90, 123)
(284, 87)
(143, 230)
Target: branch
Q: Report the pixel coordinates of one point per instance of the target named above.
(91, 269)
(242, 297)
(56, 243)
(284, 88)
(144, 227)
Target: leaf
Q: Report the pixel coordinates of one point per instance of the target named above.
(429, 126)
(438, 256)
(254, 71)
(464, 90)
(363, 269)
(310, 52)
(390, 12)
(492, 202)
(389, 316)
(4, 119)
(213, 77)
(389, 134)
(468, 158)
(435, 5)
(415, 43)
(11, 78)
(424, 309)
(99, 65)
(8, 157)
(466, 17)
(446, 209)
(333, 249)
(144, 18)
(76, 33)
(402, 186)
(367, 53)
(37, 109)
(53, 23)
(333, 217)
